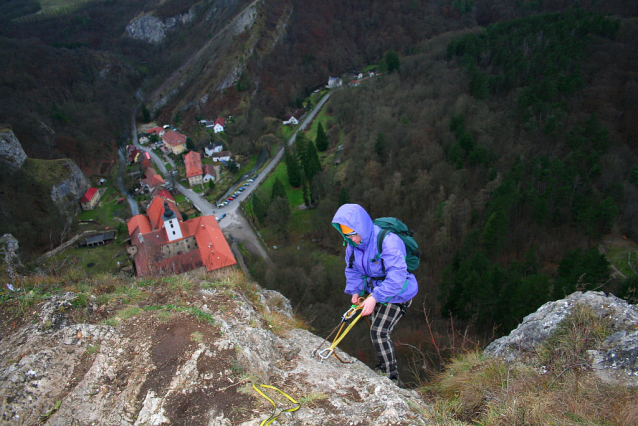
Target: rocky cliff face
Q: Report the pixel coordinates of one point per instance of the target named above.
(164, 366)
(615, 362)
(11, 153)
(66, 194)
(152, 29)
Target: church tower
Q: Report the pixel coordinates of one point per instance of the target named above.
(171, 224)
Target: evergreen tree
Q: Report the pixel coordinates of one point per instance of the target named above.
(294, 173)
(321, 140)
(146, 114)
(306, 196)
(189, 143)
(278, 190)
(259, 210)
(312, 165)
(379, 146)
(392, 61)
(633, 177)
(211, 184)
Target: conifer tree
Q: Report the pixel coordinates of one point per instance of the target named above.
(312, 165)
(294, 173)
(321, 140)
(259, 209)
(278, 190)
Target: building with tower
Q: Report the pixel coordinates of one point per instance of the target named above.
(164, 244)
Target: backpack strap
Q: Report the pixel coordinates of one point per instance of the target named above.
(380, 239)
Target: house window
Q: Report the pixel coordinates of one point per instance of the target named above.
(173, 232)
(172, 226)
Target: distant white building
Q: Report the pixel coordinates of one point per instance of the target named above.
(334, 82)
(213, 148)
(221, 156)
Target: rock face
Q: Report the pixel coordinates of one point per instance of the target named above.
(9, 253)
(615, 362)
(154, 369)
(11, 153)
(154, 30)
(66, 194)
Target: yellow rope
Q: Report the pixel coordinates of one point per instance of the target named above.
(275, 414)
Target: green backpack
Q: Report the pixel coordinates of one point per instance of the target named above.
(400, 229)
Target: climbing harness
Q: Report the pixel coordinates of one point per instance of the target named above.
(275, 414)
(350, 313)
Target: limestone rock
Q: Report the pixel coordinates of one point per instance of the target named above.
(154, 30)
(66, 194)
(616, 362)
(174, 369)
(11, 153)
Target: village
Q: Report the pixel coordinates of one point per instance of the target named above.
(183, 191)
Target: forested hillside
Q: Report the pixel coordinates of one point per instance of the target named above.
(507, 149)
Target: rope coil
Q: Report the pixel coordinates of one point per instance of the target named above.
(275, 414)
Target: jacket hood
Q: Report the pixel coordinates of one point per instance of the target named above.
(355, 217)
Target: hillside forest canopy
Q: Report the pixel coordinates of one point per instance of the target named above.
(503, 133)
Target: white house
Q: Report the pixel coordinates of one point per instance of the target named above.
(295, 117)
(209, 172)
(334, 82)
(221, 156)
(290, 119)
(213, 148)
(219, 125)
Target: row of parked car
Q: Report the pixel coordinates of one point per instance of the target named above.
(236, 193)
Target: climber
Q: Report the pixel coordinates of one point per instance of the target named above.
(390, 293)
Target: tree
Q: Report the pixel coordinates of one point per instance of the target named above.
(177, 119)
(189, 143)
(379, 146)
(278, 191)
(279, 216)
(321, 141)
(312, 165)
(259, 209)
(392, 60)
(146, 114)
(211, 184)
(294, 173)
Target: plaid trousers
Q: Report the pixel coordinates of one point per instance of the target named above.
(385, 317)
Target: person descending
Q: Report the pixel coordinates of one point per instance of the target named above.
(390, 293)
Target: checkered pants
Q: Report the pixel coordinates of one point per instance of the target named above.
(385, 317)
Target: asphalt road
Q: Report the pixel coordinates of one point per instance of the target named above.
(233, 223)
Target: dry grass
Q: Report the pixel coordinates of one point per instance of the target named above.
(558, 388)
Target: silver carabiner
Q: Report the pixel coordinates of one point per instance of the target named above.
(321, 355)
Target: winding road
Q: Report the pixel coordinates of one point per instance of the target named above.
(233, 223)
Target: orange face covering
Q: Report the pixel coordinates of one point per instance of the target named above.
(346, 230)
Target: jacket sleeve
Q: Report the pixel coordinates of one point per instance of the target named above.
(396, 270)
(354, 278)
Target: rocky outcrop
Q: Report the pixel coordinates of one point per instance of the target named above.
(66, 194)
(154, 30)
(9, 253)
(615, 362)
(11, 153)
(154, 369)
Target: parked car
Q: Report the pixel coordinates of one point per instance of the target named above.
(230, 198)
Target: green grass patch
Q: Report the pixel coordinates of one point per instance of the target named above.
(46, 172)
(179, 198)
(619, 256)
(101, 259)
(198, 313)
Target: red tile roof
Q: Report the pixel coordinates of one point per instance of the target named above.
(155, 210)
(193, 162)
(155, 130)
(88, 195)
(152, 178)
(174, 138)
(220, 121)
(139, 222)
(213, 251)
(209, 169)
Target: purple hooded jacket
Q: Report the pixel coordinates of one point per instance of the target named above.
(399, 285)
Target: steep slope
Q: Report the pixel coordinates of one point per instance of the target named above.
(184, 359)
